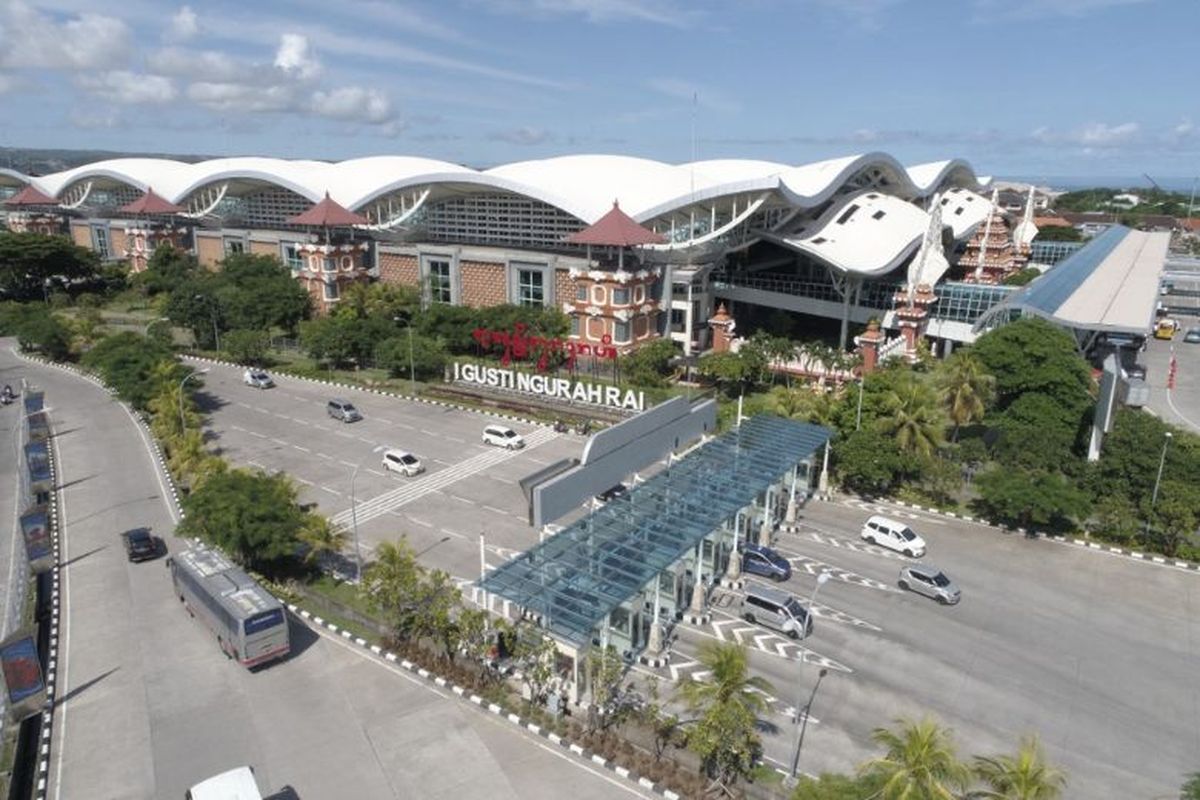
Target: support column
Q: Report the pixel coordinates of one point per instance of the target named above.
(697, 613)
(823, 482)
(789, 518)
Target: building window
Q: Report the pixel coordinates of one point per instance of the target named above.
(329, 264)
(234, 247)
(597, 295)
(581, 294)
(621, 332)
(292, 258)
(639, 295)
(531, 289)
(576, 326)
(439, 281)
(100, 238)
(331, 290)
(620, 296)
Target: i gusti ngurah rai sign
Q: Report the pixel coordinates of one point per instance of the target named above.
(575, 391)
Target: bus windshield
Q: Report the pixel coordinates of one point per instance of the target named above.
(264, 621)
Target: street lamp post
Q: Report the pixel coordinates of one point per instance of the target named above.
(801, 722)
(182, 422)
(858, 413)
(1162, 460)
(412, 372)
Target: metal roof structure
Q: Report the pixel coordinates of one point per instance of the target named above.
(576, 578)
(1108, 285)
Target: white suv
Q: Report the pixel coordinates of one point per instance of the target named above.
(503, 437)
(257, 378)
(894, 536)
(403, 462)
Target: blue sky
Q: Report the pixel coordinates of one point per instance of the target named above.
(1018, 87)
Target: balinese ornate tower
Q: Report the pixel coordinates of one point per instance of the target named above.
(990, 255)
(913, 301)
(722, 330)
(34, 212)
(331, 262)
(614, 305)
(153, 225)
(1025, 231)
(868, 345)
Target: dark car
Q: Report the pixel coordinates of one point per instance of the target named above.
(759, 560)
(612, 493)
(140, 544)
(1192, 336)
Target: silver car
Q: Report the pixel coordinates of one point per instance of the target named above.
(931, 582)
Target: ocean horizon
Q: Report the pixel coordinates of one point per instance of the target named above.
(1074, 182)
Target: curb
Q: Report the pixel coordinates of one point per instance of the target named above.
(374, 650)
(380, 392)
(42, 785)
(582, 753)
(1069, 540)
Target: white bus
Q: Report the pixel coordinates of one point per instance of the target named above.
(249, 622)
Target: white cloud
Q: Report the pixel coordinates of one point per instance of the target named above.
(6, 83)
(1005, 10)
(129, 88)
(1098, 134)
(184, 25)
(658, 12)
(244, 98)
(295, 58)
(352, 103)
(1183, 130)
(31, 40)
(204, 65)
(93, 119)
(522, 136)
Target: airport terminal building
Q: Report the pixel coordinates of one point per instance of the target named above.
(838, 238)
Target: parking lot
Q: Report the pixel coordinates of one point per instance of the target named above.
(1095, 653)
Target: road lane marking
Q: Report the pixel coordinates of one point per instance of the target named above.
(375, 472)
(331, 491)
(495, 510)
(302, 449)
(346, 463)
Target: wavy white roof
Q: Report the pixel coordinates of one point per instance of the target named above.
(582, 185)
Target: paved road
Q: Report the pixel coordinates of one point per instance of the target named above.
(1095, 653)
(149, 706)
(1180, 406)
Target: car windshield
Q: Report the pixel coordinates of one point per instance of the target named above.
(941, 580)
(508, 434)
(776, 559)
(908, 534)
(349, 409)
(259, 376)
(408, 459)
(139, 536)
(795, 609)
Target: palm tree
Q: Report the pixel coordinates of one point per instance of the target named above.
(186, 454)
(803, 403)
(731, 683)
(1024, 776)
(913, 415)
(920, 762)
(323, 538)
(966, 388)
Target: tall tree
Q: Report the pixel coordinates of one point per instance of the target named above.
(913, 415)
(965, 388)
(1032, 355)
(919, 763)
(29, 262)
(1023, 776)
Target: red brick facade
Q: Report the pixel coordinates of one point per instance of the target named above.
(209, 250)
(81, 234)
(398, 269)
(261, 248)
(483, 284)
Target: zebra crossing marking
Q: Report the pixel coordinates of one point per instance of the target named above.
(764, 641)
(854, 545)
(432, 482)
(814, 567)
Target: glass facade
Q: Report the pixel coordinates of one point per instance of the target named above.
(531, 289)
(439, 281)
(577, 578)
(1052, 252)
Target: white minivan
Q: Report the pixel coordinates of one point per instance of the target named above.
(502, 436)
(778, 610)
(894, 536)
(403, 462)
(236, 784)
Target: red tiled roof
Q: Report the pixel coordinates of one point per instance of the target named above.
(31, 196)
(1192, 224)
(328, 214)
(616, 228)
(1051, 222)
(151, 203)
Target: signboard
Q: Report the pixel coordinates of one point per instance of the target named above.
(566, 389)
(515, 345)
(35, 527)
(22, 669)
(39, 426)
(34, 401)
(37, 460)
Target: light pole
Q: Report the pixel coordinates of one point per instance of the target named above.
(822, 579)
(212, 312)
(354, 519)
(858, 414)
(412, 373)
(1162, 460)
(804, 723)
(182, 422)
